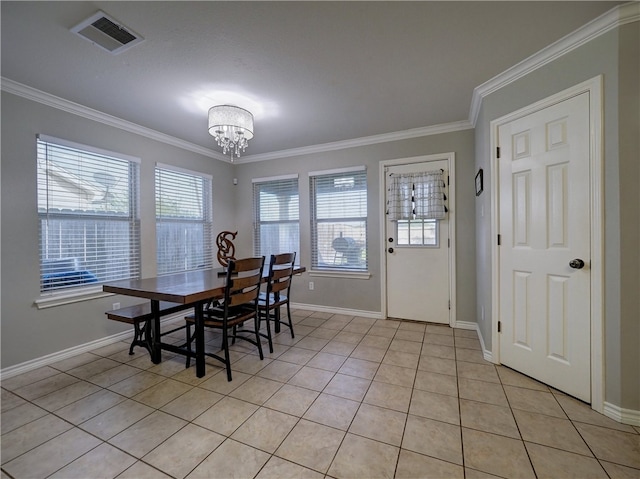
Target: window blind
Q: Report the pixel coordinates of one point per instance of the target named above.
(339, 220)
(276, 217)
(184, 227)
(89, 228)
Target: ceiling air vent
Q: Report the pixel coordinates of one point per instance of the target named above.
(106, 33)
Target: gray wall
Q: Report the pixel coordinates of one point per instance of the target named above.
(629, 147)
(617, 61)
(364, 294)
(29, 333)
(62, 327)
(615, 55)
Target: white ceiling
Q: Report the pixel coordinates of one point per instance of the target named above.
(311, 72)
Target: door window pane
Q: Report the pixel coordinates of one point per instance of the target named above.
(417, 233)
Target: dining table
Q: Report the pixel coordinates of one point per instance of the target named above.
(191, 289)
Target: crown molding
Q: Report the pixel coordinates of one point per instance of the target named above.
(616, 17)
(363, 141)
(39, 96)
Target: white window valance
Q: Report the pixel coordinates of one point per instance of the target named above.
(417, 196)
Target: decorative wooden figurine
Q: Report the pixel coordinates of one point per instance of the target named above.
(226, 248)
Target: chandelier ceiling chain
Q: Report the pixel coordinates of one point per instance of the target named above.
(232, 127)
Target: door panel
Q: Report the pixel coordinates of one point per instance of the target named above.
(544, 222)
(418, 276)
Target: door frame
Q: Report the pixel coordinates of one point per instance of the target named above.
(451, 205)
(594, 88)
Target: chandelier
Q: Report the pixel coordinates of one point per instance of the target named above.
(232, 127)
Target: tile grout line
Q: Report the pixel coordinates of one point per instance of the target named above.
(581, 436)
(254, 374)
(455, 361)
(516, 422)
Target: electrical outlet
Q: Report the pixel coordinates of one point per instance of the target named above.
(311, 285)
(116, 306)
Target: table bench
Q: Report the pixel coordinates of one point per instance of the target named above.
(139, 315)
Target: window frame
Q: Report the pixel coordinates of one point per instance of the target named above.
(331, 270)
(206, 221)
(257, 222)
(53, 296)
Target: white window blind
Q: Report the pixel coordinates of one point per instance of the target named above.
(277, 216)
(89, 228)
(339, 220)
(184, 227)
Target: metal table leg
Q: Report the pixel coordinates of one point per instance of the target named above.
(156, 351)
(199, 326)
(276, 298)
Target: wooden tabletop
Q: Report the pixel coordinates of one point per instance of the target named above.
(185, 288)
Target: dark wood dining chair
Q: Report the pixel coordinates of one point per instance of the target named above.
(236, 311)
(277, 294)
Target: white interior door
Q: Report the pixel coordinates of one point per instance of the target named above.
(417, 260)
(544, 220)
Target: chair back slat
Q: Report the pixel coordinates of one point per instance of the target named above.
(245, 287)
(240, 283)
(246, 264)
(246, 297)
(278, 274)
(284, 258)
(276, 287)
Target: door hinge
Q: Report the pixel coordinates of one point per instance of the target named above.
(499, 240)
(447, 180)
(449, 304)
(499, 326)
(448, 242)
(498, 152)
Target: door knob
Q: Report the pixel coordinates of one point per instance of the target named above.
(576, 263)
(390, 250)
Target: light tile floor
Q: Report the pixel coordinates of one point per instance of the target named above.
(349, 397)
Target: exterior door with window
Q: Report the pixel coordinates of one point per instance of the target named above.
(417, 257)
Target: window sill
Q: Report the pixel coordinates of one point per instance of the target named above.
(340, 274)
(71, 296)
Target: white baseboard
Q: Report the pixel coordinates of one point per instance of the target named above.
(622, 415)
(466, 325)
(32, 364)
(486, 354)
(333, 310)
